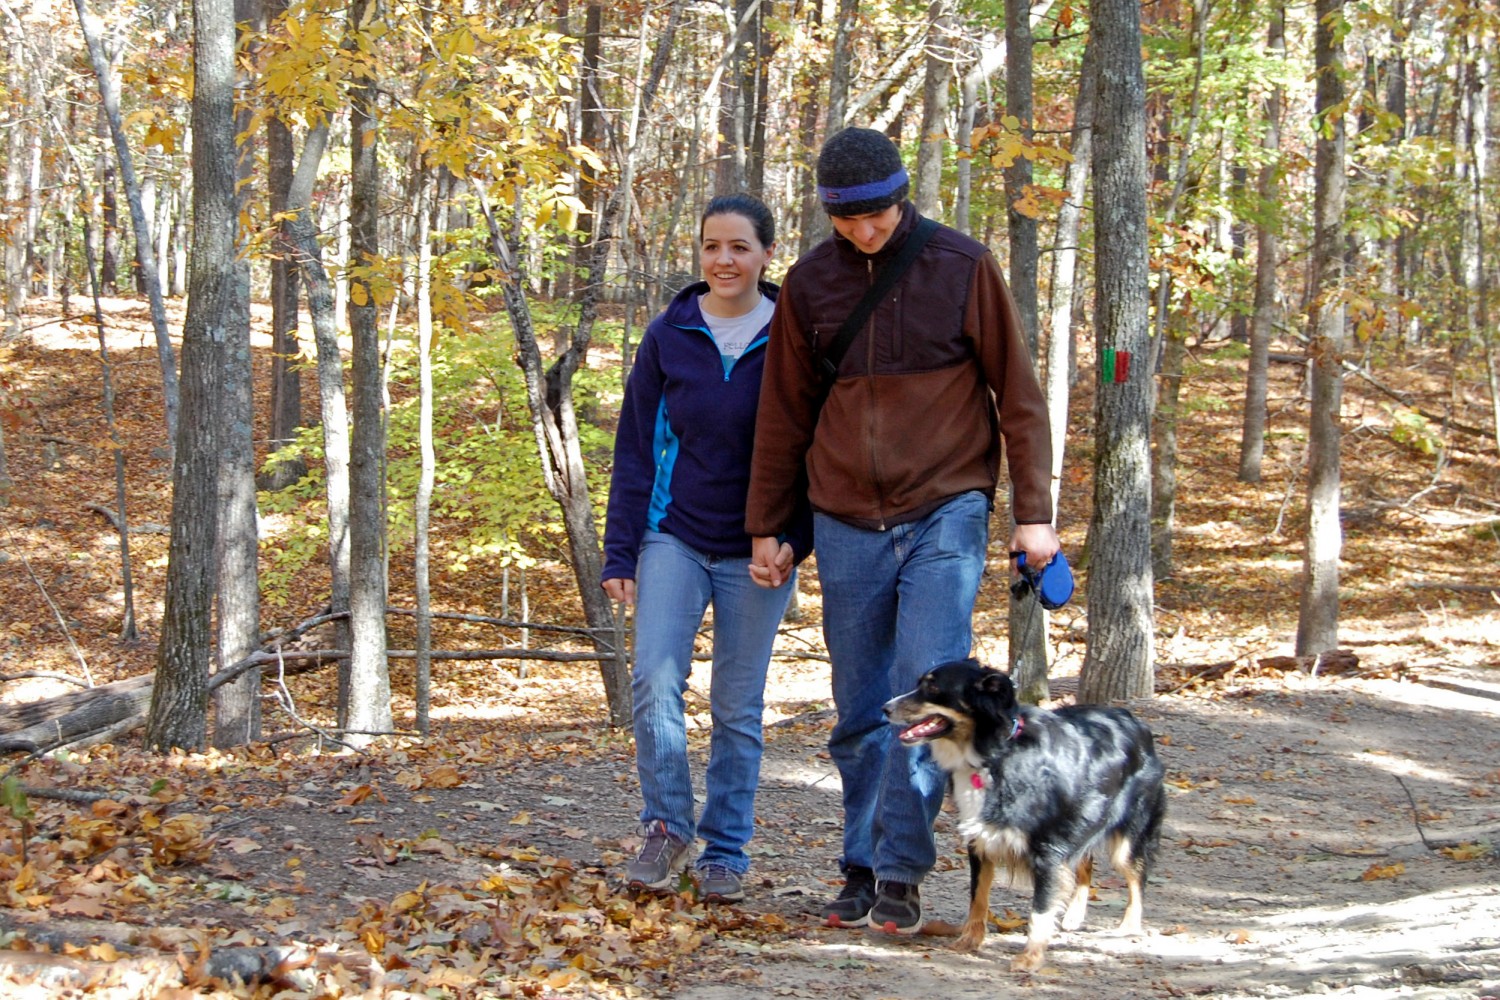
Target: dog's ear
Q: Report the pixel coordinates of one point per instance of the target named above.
(998, 686)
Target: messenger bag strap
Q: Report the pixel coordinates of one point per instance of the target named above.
(891, 273)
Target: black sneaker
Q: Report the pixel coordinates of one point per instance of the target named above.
(852, 907)
(897, 909)
(661, 855)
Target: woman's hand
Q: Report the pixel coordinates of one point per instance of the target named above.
(620, 590)
(770, 562)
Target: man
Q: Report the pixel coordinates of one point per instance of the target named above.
(901, 462)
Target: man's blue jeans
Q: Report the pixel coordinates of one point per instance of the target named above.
(895, 604)
(674, 585)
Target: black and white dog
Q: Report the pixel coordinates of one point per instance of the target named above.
(1038, 793)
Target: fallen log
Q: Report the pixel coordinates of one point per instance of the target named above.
(1335, 661)
(63, 719)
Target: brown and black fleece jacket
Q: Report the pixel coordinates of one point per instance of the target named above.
(924, 395)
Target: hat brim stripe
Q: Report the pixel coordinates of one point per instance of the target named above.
(863, 192)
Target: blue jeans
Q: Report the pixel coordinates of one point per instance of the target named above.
(895, 604)
(674, 585)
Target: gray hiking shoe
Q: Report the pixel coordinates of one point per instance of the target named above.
(897, 909)
(852, 907)
(717, 884)
(660, 858)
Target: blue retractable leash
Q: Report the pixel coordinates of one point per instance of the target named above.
(1052, 584)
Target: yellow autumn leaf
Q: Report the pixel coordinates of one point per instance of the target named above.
(1467, 852)
(1375, 872)
(407, 901)
(521, 818)
(103, 952)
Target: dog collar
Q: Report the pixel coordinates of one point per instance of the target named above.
(978, 780)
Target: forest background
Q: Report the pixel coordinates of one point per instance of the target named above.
(388, 263)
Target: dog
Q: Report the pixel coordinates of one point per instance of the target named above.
(1038, 793)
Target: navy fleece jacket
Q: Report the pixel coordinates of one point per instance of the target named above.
(686, 433)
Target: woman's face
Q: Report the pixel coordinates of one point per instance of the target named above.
(731, 256)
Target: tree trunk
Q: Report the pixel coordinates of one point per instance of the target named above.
(815, 223)
(1267, 249)
(764, 52)
(237, 704)
(180, 237)
(590, 133)
(109, 94)
(1027, 622)
(1318, 614)
(286, 367)
(811, 218)
(938, 75)
(128, 631)
(734, 104)
(423, 503)
(1119, 663)
(991, 57)
(305, 250)
(1060, 338)
(179, 695)
(367, 709)
(549, 393)
(109, 246)
(1475, 104)
(1164, 455)
(16, 288)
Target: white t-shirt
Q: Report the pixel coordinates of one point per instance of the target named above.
(735, 334)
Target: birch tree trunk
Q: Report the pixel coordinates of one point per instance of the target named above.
(179, 695)
(109, 95)
(1119, 663)
(991, 57)
(936, 79)
(423, 504)
(305, 250)
(1318, 613)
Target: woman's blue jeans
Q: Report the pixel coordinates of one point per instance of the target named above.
(895, 604)
(674, 585)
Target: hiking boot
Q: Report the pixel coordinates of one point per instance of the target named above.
(897, 909)
(661, 856)
(852, 907)
(717, 884)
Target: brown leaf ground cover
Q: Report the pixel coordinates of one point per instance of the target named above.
(1331, 831)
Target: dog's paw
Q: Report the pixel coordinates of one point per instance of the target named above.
(1030, 959)
(970, 939)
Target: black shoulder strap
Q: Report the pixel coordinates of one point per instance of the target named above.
(884, 282)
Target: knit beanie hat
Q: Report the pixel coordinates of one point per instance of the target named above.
(860, 171)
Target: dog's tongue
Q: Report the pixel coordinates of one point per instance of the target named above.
(927, 727)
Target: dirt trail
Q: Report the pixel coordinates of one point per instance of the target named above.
(1291, 863)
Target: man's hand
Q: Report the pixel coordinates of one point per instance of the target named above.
(770, 562)
(1038, 541)
(620, 590)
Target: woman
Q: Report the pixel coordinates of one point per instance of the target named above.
(675, 542)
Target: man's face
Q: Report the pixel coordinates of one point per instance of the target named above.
(868, 232)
